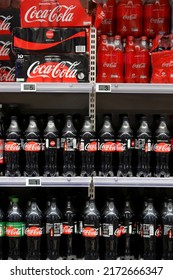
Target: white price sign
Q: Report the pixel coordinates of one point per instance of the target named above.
(33, 182)
(103, 87)
(29, 87)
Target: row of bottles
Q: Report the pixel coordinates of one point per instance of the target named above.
(90, 234)
(86, 154)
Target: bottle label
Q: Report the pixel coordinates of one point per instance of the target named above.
(15, 229)
(126, 229)
(69, 144)
(90, 231)
(52, 143)
(54, 229)
(143, 144)
(34, 231)
(12, 146)
(168, 231)
(124, 145)
(2, 229)
(147, 230)
(67, 229)
(107, 230)
(107, 146)
(1, 151)
(32, 146)
(89, 145)
(162, 147)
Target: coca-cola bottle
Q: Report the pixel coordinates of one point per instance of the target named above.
(130, 71)
(87, 148)
(69, 147)
(110, 230)
(143, 147)
(51, 148)
(91, 231)
(103, 55)
(2, 232)
(1, 142)
(157, 15)
(13, 149)
(126, 241)
(32, 148)
(53, 220)
(34, 230)
(69, 231)
(129, 18)
(124, 146)
(15, 229)
(107, 25)
(107, 148)
(149, 231)
(167, 231)
(143, 62)
(162, 149)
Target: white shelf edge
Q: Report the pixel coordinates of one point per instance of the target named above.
(46, 181)
(142, 88)
(148, 182)
(49, 87)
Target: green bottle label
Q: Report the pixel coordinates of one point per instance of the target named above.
(15, 229)
(2, 229)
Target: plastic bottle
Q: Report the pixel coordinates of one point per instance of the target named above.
(167, 230)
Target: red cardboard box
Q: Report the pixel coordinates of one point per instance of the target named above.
(9, 18)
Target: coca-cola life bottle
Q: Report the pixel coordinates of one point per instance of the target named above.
(124, 147)
(143, 146)
(69, 147)
(107, 148)
(32, 148)
(51, 148)
(34, 231)
(15, 229)
(87, 148)
(162, 149)
(13, 148)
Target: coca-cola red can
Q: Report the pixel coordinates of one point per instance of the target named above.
(64, 68)
(9, 18)
(7, 71)
(49, 40)
(41, 13)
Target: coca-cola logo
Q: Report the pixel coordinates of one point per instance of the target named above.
(49, 34)
(67, 229)
(139, 65)
(7, 74)
(62, 69)
(91, 147)
(12, 147)
(110, 65)
(5, 23)
(5, 48)
(32, 147)
(12, 232)
(157, 20)
(61, 13)
(130, 17)
(158, 232)
(167, 65)
(34, 231)
(117, 232)
(162, 148)
(120, 147)
(108, 147)
(89, 232)
(52, 143)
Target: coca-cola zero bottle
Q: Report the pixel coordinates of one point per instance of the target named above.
(167, 231)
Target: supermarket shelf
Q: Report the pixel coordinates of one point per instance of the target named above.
(45, 182)
(50, 87)
(142, 88)
(133, 182)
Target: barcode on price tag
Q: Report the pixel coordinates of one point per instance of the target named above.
(33, 182)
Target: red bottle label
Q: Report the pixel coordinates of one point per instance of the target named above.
(11, 146)
(67, 229)
(1, 151)
(34, 231)
(32, 146)
(108, 147)
(89, 232)
(90, 147)
(162, 147)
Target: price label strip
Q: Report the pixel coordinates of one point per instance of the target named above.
(33, 182)
(28, 87)
(103, 88)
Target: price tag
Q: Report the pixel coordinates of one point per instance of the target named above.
(29, 87)
(103, 87)
(33, 182)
